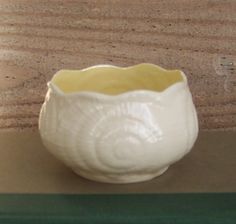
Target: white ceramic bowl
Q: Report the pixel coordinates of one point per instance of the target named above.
(119, 125)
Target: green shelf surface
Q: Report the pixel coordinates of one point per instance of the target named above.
(179, 208)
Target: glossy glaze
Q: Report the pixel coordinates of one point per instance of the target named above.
(122, 137)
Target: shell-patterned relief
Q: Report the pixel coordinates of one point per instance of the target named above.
(139, 133)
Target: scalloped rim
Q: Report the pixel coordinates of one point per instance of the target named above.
(169, 89)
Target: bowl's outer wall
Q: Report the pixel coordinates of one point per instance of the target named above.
(141, 132)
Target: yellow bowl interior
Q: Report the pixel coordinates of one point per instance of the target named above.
(115, 80)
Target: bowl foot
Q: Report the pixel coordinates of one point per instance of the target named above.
(119, 179)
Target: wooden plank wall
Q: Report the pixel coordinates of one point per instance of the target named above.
(39, 37)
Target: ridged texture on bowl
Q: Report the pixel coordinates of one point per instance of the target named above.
(120, 139)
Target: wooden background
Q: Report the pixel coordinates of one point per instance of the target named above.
(39, 37)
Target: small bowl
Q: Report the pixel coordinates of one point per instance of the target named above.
(119, 125)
